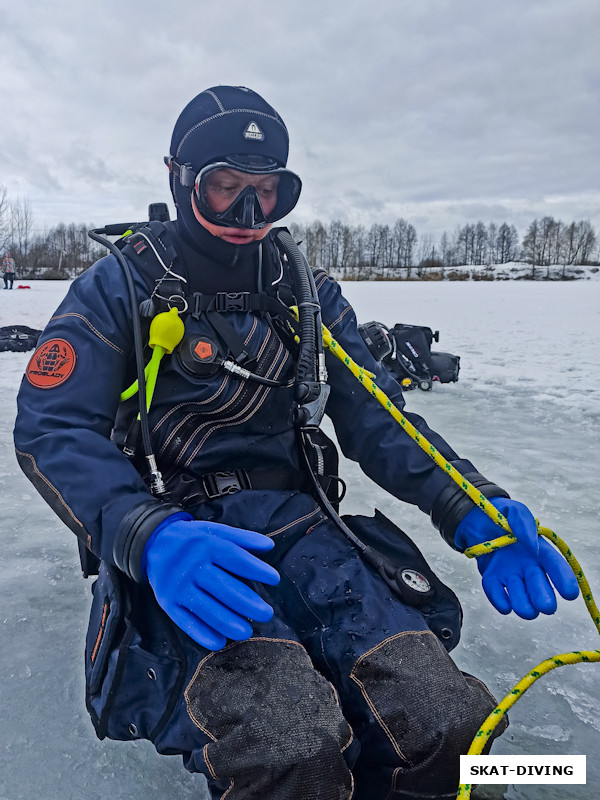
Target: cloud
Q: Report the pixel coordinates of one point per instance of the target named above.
(433, 111)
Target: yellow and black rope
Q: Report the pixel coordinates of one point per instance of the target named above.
(487, 728)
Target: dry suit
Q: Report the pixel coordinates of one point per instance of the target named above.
(349, 691)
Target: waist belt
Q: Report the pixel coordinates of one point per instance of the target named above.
(189, 489)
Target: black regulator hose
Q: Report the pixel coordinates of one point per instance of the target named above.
(99, 235)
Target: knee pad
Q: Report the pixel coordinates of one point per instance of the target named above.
(276, 726)
(427, 708)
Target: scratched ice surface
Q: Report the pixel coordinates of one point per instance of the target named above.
(526, 410)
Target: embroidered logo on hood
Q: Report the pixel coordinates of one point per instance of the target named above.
(254, 132)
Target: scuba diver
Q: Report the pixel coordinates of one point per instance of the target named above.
(283, 651)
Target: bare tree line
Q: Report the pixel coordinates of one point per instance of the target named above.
(63, 251)
(396, 251)
(549, 241)
(392, 251)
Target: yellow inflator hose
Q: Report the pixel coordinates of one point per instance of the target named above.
(166, 331)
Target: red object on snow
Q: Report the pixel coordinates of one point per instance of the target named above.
(20, 286)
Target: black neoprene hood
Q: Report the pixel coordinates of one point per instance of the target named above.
(226, 120)
(220, 122)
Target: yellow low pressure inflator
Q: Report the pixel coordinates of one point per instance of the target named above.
(166, 331)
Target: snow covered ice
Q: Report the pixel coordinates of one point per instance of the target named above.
(526, 410)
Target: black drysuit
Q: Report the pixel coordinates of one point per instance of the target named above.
(347, 692)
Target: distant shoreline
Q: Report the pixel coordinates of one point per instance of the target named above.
(512, 271)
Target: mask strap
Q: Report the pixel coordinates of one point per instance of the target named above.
(183, 172)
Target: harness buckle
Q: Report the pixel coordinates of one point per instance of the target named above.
(219, 484)
(232, 301)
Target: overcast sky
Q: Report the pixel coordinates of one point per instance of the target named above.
(439, 111)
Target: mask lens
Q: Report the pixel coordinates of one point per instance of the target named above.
(245, 199)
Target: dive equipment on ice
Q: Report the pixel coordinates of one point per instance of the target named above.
(412, 357)
(406, 351)
(18, 338)
(377, 338)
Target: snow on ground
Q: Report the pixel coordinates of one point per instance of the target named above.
(525, 409)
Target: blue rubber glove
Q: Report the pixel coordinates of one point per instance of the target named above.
(190, 565)
(518, 577)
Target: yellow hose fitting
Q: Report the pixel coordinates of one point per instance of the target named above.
(166, 330)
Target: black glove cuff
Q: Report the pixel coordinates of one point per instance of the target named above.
(135, 529)
(452, 504)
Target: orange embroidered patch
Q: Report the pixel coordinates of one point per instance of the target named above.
(51, 364)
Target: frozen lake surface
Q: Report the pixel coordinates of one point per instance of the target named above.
(526, 410)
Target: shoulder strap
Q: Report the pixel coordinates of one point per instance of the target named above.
(152, 250)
